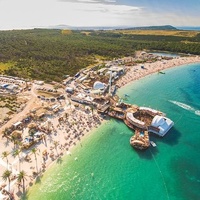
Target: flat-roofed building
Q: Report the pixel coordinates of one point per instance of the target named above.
(118, 70)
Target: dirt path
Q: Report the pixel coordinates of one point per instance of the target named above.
(26, 110)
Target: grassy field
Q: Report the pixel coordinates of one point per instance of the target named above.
(97, 60)
(5, 66)
(159, 32)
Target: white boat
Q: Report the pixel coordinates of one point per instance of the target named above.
(197, 112)
(153, 144)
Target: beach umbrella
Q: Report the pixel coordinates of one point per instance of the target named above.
(17, 134)
(32, 125)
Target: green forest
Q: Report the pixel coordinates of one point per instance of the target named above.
(49, 54)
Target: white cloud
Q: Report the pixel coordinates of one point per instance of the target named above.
(88, 1)
(27, 13)
(110, 1)
(39, 13)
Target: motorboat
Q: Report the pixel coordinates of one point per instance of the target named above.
(153, 144)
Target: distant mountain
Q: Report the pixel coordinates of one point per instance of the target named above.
(63, 26)
(165, 27)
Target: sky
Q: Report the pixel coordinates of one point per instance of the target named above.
(25, 14)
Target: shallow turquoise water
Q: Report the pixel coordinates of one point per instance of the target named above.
(108, 168)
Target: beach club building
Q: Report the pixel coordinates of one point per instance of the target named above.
(119, 70)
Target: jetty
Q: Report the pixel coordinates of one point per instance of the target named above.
(142, 120)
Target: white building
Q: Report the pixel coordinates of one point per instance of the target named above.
(161, 125)
(98, 85)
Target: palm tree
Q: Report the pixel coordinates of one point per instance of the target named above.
(34, 151)
(56, 143)
(21, 178)
(6, 132)
(19, 143)
(17, 153)
(5, 155)
(92, 109)
(6, 176)
(14, 140)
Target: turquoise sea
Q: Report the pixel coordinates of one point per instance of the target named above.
(108, 168)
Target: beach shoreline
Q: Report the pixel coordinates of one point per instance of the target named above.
(130, 77)
(83, 123)
(136, 72)
(171, 143)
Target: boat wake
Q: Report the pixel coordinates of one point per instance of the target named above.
(182, 105)
(186, 107)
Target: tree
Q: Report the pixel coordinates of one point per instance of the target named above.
(92, 109)
(14, 139)
(7, 176)
(56, 143)
(66, 115)
(21, 178)
(5, 154)
(17, 153)
(34, 151)
(5, 132)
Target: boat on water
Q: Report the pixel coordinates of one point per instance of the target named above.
(126, 95)
(160, 72)
(153, 144)
(197, 112)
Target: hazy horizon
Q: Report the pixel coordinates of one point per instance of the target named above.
(28, 14)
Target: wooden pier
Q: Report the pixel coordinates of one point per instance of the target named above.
(136, 118)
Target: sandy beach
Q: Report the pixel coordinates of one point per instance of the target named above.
(61, 138)
(63, 135)
(136, 72)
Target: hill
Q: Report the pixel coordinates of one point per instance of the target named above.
(165, 27)
(49, 54)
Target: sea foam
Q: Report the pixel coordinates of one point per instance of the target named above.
(186, 107)
(182, 105)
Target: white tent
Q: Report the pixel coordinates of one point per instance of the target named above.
(98, 85)
(162, 123)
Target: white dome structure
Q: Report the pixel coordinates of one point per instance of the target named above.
(158, 121)
(161, 125)
(69, 89)
(98, 85)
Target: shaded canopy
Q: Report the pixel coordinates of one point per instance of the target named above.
(32, 125)
(17, 134)
(158, 121)
(98, 85)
